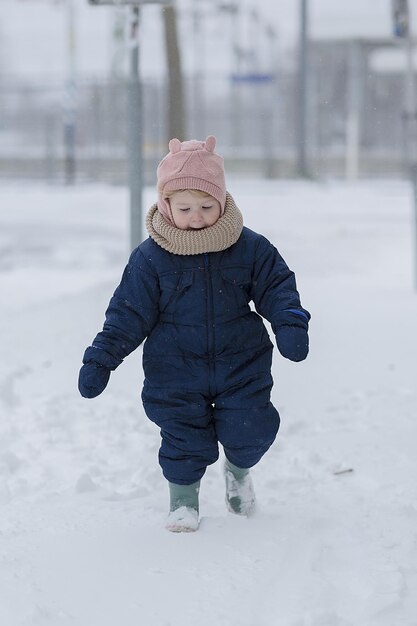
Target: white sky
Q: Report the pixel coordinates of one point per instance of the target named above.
(33, 40)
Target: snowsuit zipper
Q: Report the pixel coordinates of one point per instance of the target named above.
(210, 323)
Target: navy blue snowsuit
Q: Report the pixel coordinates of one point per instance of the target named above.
(207, 356)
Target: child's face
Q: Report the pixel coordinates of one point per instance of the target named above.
(193, 211)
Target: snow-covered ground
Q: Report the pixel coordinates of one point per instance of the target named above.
(82, 499)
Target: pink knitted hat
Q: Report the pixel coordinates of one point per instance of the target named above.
(191, 165)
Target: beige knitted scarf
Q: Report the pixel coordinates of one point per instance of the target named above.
(223, 234)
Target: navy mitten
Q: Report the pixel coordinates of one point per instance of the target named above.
(292, 342)
(93, 379)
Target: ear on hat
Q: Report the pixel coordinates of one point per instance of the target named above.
(174, 145)
(210, 143)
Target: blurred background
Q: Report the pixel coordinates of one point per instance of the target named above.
(308, 88)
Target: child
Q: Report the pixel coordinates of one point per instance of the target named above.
(207, 356)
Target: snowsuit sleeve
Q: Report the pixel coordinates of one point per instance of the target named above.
(274, 291)
(130, 316)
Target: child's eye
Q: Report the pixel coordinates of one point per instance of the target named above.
(184, 210)
(208, 207)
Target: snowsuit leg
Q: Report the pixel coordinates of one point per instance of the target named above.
(246, 422)
(189, 441)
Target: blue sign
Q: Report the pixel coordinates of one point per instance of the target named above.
(254, 77)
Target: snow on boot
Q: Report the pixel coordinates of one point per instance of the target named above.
(182, 520)
(183, 510)
(240, 494)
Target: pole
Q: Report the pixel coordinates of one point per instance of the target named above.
(236, 68)
(410, 102)
(403, 30)
(353, 118)
(270, 92)
(70, 97)
(135, 135)
(134, 118)
(410, 121)
(302, 108)
(175, 86)
(198, 70)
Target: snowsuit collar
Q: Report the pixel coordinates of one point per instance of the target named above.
(223, 234)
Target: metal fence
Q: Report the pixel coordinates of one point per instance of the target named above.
(254, 121)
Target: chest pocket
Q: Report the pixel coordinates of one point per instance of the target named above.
(237, 282)
(173, 286)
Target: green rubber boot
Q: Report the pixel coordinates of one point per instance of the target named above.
(240, 494)
(183, 508)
